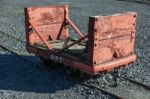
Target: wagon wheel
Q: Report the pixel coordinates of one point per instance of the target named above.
(75, 74)
(47, 62)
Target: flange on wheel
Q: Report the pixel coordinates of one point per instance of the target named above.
(75, 74)
(48, 63)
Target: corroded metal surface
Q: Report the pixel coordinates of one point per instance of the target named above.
(109, 43)
(111, 37)
(49, 20)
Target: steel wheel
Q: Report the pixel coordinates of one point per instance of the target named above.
(75, 74)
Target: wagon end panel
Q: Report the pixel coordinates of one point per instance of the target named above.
(49, 21)
(111, 37)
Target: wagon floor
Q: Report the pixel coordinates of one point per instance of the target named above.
(76, 52)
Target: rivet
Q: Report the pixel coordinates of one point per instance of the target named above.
(96, 19)
(95, 30)
(134, 16)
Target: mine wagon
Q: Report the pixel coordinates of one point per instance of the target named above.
(108, 44)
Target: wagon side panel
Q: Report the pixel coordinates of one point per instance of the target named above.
(111, 37)
(49, 21)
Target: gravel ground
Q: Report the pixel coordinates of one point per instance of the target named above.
(21, 80)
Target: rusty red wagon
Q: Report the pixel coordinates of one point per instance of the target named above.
(109, 43)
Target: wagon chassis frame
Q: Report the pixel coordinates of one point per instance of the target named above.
(57, 56)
